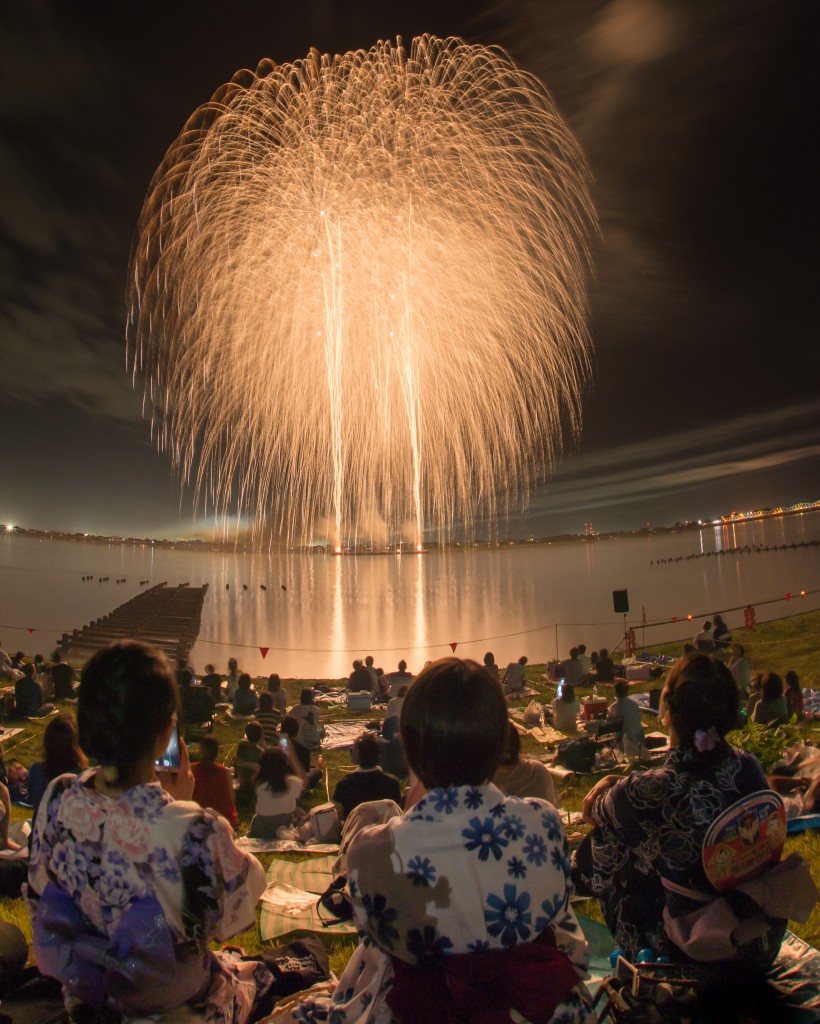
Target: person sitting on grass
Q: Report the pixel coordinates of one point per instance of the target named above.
(571, 670)
(289, 731)
(721, 634)
(213, 782)
(741, 668)
(277, 694)
(771, 709)
(280, 783)
(368, 781)
(462, 902)
(794, 696)
(28, 695)
(643, 858)
(268, 717)
(248, 752)
(633, 734)
(244, 700)
(605, 667)
(565, 710)
(307, 715)
(490, 665)
(513, 681)
(62, 675)
(61, 756)
(123, 859)
(212, 681)
(392, 714)
(523, 776)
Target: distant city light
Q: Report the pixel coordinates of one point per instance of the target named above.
(10, 527)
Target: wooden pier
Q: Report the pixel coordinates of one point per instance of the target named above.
(167, 618)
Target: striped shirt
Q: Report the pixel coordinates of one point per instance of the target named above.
(269, 720)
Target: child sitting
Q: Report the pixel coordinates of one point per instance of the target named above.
(248, 753)
(213, 785)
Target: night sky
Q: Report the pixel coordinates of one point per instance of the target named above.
(699, 121)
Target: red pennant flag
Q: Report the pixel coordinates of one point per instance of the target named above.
(263, 651)
(30, 632)
(674, 618)
(454, 645)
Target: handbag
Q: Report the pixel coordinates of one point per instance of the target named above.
(335, 902)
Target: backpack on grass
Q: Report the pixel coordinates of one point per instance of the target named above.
(577, 755)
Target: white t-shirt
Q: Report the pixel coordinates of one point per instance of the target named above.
(268, 803)
(565, 714)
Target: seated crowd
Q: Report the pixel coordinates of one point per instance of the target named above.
(458, 810)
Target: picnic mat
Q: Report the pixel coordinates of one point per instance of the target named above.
(547, 735)
(289, 902)
(7, 734)
(334, 695)
(250, 845)
(521, 694)
(341, 735)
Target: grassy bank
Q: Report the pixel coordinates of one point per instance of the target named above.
(775, 646)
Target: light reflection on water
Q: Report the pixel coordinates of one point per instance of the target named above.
(319, 612)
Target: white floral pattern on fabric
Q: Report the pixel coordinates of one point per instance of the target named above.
(467, 869)
(106, 853)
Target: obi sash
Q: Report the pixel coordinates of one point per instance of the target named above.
(481, 988)
(137, 969)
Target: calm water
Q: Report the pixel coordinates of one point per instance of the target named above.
(535, 601)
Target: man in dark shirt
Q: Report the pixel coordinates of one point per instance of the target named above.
(63, 676)
(605, 669)
(368, 782)
(359, 679)
(28, 694)
(213, 681)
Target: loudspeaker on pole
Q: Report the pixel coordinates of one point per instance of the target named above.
(620, 600)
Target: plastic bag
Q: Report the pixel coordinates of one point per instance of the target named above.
(534, 715)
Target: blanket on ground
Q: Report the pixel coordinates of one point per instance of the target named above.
(289, 902)
(341, 735)
(283, 846)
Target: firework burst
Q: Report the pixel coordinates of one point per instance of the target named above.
(358, 292)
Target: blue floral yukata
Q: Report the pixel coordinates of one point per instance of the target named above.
(98, 856)
(466, 870)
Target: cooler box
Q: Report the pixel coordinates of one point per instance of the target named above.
(593, 709)
(362, 701)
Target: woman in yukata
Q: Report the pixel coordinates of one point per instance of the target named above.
(122, 861)
(644, 860)
(462, 902)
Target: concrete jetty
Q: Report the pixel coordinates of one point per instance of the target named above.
(166, 617)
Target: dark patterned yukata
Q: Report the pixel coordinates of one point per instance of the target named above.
(652, 825)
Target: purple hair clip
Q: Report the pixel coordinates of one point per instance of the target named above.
(706, 740)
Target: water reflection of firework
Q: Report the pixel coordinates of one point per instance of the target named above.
(357, 291)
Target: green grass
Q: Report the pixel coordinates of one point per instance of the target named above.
(776, 646)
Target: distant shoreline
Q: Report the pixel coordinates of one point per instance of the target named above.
(237, 547)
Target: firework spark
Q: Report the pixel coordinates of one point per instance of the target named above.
(358, 291)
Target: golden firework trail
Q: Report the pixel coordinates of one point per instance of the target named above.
(358, 292)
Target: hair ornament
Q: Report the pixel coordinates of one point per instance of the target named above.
(705, 741)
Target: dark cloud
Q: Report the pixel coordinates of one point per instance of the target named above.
(698, 122)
